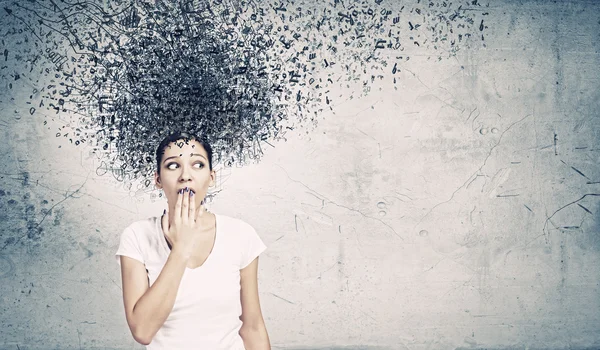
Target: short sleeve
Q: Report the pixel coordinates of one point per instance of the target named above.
(129, 246)
(252, 248)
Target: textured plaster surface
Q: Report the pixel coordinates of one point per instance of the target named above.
(458, 211)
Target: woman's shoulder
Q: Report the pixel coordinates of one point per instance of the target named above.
(144, 226)
(234, 223)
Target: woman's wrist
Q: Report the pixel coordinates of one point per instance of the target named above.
(180, 254)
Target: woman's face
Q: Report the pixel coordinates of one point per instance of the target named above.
(184, 165)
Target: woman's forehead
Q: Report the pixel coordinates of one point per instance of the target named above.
(183, 147)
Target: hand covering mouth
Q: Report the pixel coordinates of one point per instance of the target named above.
(183, 189)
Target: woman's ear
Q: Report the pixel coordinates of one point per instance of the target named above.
(157, 181)
(213, 174)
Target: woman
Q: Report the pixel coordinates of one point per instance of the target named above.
(190, 276)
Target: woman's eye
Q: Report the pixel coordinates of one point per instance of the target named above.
(173, 166)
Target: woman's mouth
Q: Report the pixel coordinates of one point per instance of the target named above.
(184, 189)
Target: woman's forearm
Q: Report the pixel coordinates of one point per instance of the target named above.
(255, 338)
(152, 309)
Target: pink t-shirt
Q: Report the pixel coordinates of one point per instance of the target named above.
(207, 307)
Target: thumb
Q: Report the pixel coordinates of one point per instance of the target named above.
(165, 221)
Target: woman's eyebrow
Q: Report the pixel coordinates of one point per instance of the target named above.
(169, 158)
(197, 154)
(191, 154)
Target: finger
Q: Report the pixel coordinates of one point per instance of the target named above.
(165, 222)
(178, 204)
(192, 210)
(185, 206)
(201, 211)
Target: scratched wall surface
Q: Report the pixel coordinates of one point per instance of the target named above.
(437, 190)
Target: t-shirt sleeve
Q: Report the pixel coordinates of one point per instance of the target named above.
(129, 246)
(253, 247)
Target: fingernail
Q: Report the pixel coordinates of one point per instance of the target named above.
(187, 189)
(202, 202)
(164, 211)
(180, 191)
(191, 193)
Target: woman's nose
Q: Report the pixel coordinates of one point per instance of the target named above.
(185, 174)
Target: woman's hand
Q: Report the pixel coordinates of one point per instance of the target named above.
(183, 228)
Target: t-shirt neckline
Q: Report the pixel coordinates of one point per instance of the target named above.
(163, 240)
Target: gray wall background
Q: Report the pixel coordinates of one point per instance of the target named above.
(458, 211)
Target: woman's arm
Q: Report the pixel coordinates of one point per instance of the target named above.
(147, 308)
(253, 331)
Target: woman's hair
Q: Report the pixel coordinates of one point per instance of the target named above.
(186, 137)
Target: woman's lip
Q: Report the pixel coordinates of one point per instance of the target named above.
(183, 188)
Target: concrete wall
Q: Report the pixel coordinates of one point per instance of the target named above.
(459, 210)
